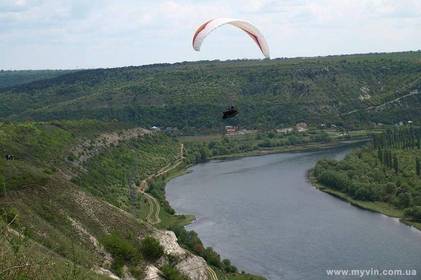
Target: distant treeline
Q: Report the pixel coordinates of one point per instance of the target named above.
(13, 78)
(201, 151)
(405, 137)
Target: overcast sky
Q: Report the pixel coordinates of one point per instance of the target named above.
(39, 34)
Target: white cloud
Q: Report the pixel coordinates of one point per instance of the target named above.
(70, 33)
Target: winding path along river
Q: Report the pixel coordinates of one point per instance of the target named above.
(263, 214)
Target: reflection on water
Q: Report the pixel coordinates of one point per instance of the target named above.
(261, 213)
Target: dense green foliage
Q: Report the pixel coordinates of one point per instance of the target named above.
(269, 93)
(151, 249)
(201, 151)
(13, 78)
(385, 171)
(123, 251)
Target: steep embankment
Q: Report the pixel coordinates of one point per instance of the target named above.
(60, 225)
(57, 222)
(269, 93)
(71, 206)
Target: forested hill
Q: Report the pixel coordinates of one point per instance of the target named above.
(13, 78)
(350, 90)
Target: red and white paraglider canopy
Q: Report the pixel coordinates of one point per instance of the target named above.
(206, 28)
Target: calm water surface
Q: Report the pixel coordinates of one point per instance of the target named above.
(262, 214)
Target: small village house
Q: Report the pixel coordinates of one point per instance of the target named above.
(301, 127)
(231, 130)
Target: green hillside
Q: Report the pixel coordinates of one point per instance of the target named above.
(59, 212)
(60, 220)
(351, 90)
(71, 204)
(10, 78)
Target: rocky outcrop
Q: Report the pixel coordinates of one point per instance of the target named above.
(152, 273)
(193, 266)
(106, 272)
(92, 147)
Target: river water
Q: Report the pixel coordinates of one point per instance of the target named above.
(263, 215)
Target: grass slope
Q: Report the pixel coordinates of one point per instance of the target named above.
(64, 221)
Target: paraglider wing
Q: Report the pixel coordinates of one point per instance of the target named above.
(206, 28)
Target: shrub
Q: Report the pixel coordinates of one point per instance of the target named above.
(171, 273)
(122, 250)
(191, 241)
(228, 267)
(334, 180)
(403, 200)
(151, 249)
(212, 257)
(413, 213)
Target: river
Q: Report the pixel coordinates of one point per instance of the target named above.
(262, 214)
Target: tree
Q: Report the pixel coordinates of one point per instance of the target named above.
(403, 200)
(396, 164)
(390, 188)
(413, 213)
(2, 186)
(380, 156)
(418, 166)
(204, 153)
(228, 267)
(212, 257)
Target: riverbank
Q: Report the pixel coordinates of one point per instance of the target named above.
(373, 206)
(308, 147)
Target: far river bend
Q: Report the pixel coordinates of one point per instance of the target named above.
(263, 215)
